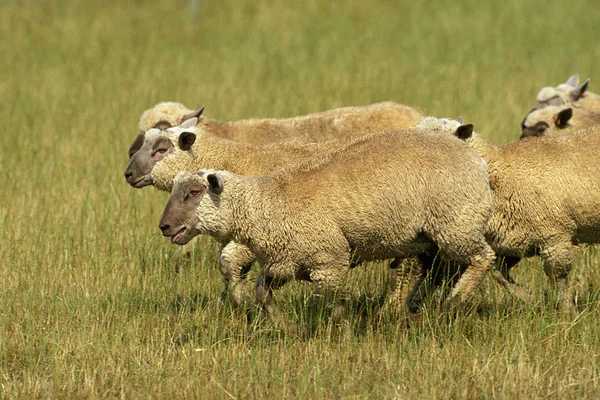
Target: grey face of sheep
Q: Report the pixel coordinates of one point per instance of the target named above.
(162, 125)
(560, 121)
(141, 162)
(574, 93)
(180, 218)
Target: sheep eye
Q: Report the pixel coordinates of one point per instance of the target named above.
(541, 129)
(194, 193)
(159, 151)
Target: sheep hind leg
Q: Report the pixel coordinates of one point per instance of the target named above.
(408, 271)
(502, 276)
(426, 283)
(472, 277)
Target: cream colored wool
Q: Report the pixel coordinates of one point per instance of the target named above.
(333, 124)
(386, 195)
(247, 159)
(546, 198)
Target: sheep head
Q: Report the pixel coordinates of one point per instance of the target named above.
(180, 220)
(563, 94)
(166, 115)
(150, 148)
(540, 122)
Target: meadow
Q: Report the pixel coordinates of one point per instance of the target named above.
(95, 303)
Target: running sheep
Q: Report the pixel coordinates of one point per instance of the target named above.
(327, 125)
(552, 120)
(546, 201)
(188, 147)
(386, 195)
(565, 108)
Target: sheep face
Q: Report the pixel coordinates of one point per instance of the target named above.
(145, 152)
(544, 121)
(153, 146)
(563, 94)
(180, 220)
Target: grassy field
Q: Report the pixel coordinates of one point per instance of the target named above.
(95, 303)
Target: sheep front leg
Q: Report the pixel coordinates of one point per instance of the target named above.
(329, 280)
(235, 262)
(558, 260)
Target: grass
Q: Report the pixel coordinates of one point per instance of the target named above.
(95, 303)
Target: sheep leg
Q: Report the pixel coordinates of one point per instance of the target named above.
(502, 276)
(329, 280)
(472, 277)
(235, 262)
(558, 260)
(408, 272)
(426, 283)
(265, 284)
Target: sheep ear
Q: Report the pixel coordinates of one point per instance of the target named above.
(193, 114)
(186, 140)
(460, 120)
(189, 123)
(464, 131)
(578, 93)
(563, 117)
(215, 183)
(573, 80)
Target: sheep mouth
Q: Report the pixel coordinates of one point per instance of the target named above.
(179, 236)
(145, 180)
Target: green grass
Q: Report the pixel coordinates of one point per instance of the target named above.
(95, 303)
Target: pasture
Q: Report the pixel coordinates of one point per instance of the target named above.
(95, 303)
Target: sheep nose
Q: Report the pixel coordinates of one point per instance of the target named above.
(163, 227)
(128, 174)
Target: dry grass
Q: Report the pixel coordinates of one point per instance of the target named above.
(96, 304)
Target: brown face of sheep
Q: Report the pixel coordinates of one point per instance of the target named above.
(180, 216)
(539, 129)
(141, 162)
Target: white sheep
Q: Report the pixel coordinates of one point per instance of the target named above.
(569, 93)
(331, 124)
(163, 153)
(546, 201)
(565, 108)
(385, 195)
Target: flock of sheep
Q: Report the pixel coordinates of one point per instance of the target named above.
(311, 197)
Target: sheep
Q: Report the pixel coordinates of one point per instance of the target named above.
(332, 124)
(558, 120)
(164, 153)
(569, 93)
(546, 202)
(386, 195)
(556, 106)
